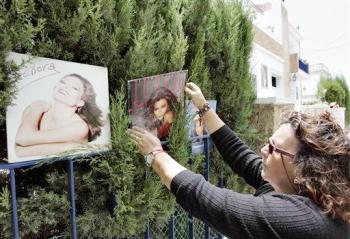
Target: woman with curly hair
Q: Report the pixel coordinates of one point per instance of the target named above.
(302, 180)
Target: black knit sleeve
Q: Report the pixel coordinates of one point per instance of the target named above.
(242, 160)
(245, 216)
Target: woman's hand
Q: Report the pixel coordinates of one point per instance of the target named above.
(210, 119)
(166, 167)
(196, 95)
(144, 140)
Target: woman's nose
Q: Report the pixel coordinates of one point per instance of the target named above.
(264, 150)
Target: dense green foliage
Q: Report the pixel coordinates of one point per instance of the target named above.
(335, 93)
(335, 89)
(116, 194)
(342, 82)
(218, 60)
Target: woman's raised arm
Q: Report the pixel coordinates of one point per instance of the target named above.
(235, 152)
(211, 120)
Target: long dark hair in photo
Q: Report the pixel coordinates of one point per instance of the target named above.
(161, 93)
(89, 112)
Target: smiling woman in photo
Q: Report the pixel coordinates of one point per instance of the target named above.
(72, 120)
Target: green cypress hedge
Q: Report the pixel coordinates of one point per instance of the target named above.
(116, 194)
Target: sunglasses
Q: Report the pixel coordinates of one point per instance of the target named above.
(273, 148)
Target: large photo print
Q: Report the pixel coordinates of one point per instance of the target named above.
(153, 101)
(61, 108)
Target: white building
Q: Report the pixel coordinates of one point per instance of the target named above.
(310, 85)
(299, 70)
(275, 62)
(282, 80)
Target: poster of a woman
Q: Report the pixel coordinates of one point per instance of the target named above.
(153, 101)
(61, 109)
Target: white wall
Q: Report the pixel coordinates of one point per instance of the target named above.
(270, 21)
(300, 78)
(294, 38)
(310, 87)
(274, 65)
(317, 72)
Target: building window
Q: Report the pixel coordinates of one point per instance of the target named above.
(274, 81)
(264, 81)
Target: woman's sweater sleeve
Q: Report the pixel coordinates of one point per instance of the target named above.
(242, 160)
(244, 216)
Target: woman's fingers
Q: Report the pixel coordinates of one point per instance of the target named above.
(144, 140)
(192, 90)
(134, 141)
(196, 94)
(138, 144)
(137, 131)
(139, 134)
(137, 137)
(189, 91)
(133, 136)
(193, 87)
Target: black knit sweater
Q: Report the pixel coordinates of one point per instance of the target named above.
(267, 214)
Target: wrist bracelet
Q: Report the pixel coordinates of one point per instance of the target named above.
(149, 158)
(157, 151)
(203, 110)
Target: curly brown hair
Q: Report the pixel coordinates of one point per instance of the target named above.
(322, 162)
(161, 93)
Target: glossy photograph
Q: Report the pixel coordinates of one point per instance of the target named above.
(153, 101)
(61, 109)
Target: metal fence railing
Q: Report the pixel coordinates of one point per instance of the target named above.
(70, 171)
(180, 226)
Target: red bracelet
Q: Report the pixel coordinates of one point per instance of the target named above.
(157, 151)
